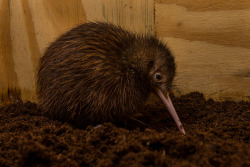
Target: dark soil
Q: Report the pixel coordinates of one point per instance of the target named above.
(217, 134)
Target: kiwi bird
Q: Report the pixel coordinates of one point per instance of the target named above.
(99, 72)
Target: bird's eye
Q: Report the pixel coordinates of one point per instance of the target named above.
(158, 76)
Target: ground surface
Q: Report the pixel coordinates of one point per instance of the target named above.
(217, 135)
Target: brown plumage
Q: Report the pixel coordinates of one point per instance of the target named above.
(99, 72)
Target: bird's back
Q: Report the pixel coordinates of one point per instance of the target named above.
(84, 77)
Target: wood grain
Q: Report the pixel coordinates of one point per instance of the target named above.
(210, 39)
(27, 27)
(8, 76)
(137, 16)
(212, 5)
(211, 43)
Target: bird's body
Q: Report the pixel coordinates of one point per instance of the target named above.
(99, 72)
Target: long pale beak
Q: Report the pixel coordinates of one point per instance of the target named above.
(167, 101)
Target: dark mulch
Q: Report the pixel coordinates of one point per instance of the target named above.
(217, 135)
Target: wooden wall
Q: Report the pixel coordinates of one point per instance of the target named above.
(28, 26)
(210, 39)
(211, 42)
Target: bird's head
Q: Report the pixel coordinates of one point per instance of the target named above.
(155, 67)
(158, 64)
(161, 74)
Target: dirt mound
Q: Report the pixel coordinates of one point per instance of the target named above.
(217, 135)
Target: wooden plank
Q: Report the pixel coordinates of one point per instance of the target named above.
(8, 76)
(32, 26)
(209, 5)
(21, 50)
(28, 27)
(210, 40)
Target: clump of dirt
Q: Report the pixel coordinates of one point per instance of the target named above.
(217, 135)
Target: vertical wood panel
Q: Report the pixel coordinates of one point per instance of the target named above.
(8, 76)
(52, 18)
(21, 51)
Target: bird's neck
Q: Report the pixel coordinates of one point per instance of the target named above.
(140, 59)
(137, 64)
